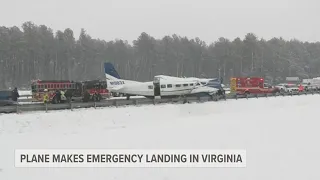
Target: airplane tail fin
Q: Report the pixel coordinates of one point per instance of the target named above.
(110, 71)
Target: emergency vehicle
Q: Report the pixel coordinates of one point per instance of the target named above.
(94, 90)
(50, 87)
(5, 94)
(253, 85)
(85, 91)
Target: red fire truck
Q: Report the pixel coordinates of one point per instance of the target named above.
(253, 85)
(87, 90)
(94, 90)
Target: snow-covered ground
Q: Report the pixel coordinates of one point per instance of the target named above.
(281, 136)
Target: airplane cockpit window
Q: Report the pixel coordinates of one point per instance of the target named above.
(191, 84)
(163, 86)
(198, 84)
(169, 85)
(150, 87)
(203, 83)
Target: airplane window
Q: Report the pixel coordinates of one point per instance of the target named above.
(198, 84)
(191, 84)
(169, 85)
(150, 87)
(185, 84)
(163, 86)
(178, 85)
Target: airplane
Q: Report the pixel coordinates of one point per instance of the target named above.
(162, 86)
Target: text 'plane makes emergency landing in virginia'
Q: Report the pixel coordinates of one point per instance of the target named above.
(162, 86)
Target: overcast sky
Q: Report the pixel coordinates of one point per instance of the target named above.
(206, 19)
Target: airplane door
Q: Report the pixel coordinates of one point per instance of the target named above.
(156, 89)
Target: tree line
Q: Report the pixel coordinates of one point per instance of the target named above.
(36, 52)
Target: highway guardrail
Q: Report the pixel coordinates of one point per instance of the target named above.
(138, 101)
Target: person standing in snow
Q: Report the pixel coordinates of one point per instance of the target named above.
(15, 95)
(46, 96)
(62, 96)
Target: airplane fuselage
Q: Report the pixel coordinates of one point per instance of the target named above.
(167, 87)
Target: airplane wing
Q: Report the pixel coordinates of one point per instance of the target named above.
(204, 89)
